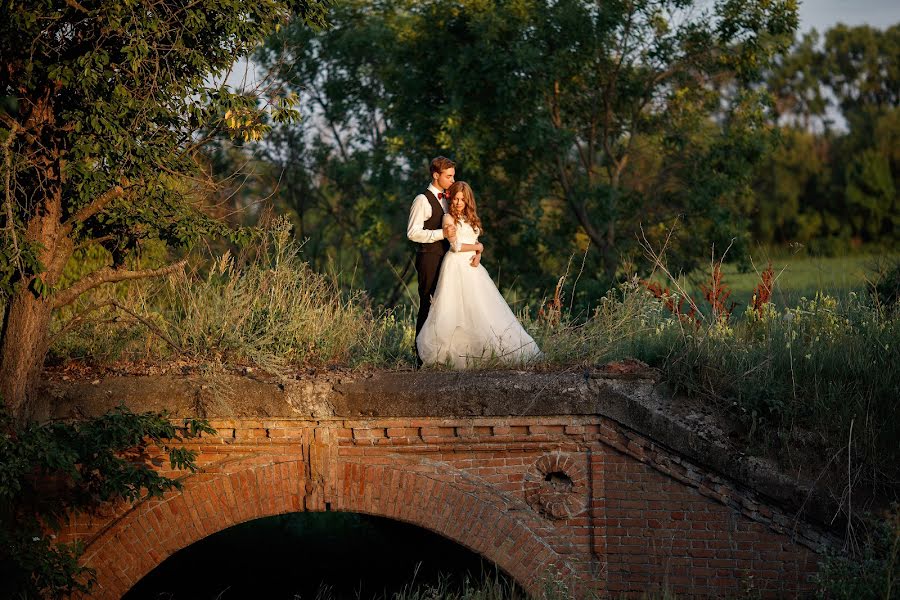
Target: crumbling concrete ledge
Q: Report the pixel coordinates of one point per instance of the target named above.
(634, 398)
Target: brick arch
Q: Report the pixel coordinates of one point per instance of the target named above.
(423, 493)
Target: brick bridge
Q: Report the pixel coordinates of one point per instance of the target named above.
(581, 476)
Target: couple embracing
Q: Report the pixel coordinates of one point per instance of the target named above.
(462, 318)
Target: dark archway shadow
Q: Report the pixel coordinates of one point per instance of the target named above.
(306, 555)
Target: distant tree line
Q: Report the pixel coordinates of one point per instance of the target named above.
(832, 182)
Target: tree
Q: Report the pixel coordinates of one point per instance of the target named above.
(576, 121)
(860, 71)
(339, 172)
(835, 177)
(111, 104)
(795, 82)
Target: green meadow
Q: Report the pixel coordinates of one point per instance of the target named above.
(796, 276)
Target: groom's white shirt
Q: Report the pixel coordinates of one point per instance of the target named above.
(421, 212)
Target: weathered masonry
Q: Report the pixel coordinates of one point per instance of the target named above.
(585, 498)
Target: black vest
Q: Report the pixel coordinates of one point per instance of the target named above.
(434, 222)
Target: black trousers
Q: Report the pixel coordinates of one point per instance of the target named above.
(428, 267)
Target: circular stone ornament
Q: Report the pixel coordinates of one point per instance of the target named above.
(555, 486)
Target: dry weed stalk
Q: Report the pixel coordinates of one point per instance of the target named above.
(762, 293)
(656, 259)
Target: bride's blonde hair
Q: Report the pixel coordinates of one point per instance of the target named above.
(469, 211)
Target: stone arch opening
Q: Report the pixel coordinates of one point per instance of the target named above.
(422, 493)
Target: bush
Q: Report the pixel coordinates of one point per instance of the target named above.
(48, 472)
(885, 288)
(869, 573)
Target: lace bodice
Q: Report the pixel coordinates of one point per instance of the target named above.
(465, 234)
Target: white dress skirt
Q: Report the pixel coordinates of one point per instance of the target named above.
(469, 323)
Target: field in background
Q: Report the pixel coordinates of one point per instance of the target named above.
(798, 276)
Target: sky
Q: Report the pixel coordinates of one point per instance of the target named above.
(823, 14)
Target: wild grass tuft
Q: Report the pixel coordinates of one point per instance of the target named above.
(824, 369)
(268, 308)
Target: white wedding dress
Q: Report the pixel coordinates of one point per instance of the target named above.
(469, 322)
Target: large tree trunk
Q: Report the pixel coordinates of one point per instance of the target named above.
(24, 340)
(26, 324)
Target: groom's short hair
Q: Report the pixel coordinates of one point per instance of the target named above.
(441, 163)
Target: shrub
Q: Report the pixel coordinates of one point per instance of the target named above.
(869, 573)
(49, 471)
(885, 289)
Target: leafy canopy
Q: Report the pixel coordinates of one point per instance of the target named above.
(575, 121)
(117, 98)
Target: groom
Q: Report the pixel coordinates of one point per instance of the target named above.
(424, 228)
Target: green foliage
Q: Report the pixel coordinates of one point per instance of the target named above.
(826, 187)
(124, 89)
(571, 140)
(626, 322)
(264, 307)
(103, 142)
(803, 368)
(806, 366)
(51, 471)
(870, 573)
(885, 289)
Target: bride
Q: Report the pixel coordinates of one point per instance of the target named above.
(469, 320)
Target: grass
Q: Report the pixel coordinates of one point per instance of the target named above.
(264, 308)
(497, 587)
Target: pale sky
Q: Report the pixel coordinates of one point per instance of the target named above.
(823, 14)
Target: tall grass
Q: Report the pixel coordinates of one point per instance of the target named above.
(826, 371)
(264, 307)
(626, 322)
(485, 587)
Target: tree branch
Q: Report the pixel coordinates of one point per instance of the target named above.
(96, 206)
(113, 303)
(78, 6)
(108, 275)
(8, 200)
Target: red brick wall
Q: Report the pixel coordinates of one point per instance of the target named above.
(662, 533)
(619, 513)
